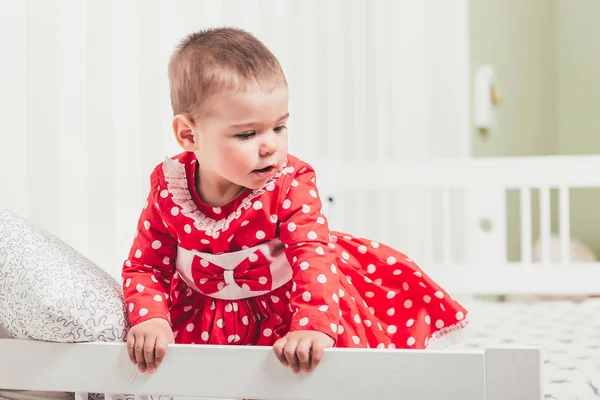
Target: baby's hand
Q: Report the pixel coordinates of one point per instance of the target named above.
(147, 343)
(302, 349)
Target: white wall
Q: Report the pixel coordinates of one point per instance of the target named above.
(85, 111)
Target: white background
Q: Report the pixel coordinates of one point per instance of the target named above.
(84, 106)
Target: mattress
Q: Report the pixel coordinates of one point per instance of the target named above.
(569, 333)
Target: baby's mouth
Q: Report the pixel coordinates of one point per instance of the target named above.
(265, 169)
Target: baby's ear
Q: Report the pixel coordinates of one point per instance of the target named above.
(183, 129)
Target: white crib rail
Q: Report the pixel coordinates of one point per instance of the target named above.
(254, 372)
(509, 172)
(460, 218)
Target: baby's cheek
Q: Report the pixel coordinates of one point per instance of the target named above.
(240, 160)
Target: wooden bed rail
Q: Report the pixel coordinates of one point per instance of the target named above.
(254, 372)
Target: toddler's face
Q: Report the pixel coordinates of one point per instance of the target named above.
(243, 137)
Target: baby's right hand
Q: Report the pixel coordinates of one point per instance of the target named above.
(147, 343)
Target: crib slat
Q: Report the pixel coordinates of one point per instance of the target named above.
(446, 239)
(545, 224)
(383, 224)
(412, 223)
(361, 219)
(404, 218)
(565, 220)
(525, 197)
(429, 247)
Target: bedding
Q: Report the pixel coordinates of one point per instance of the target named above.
(568, 331)
(48, 291)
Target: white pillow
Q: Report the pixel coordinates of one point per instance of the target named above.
(50, 292)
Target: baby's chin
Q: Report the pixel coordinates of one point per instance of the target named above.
(258, 181)
(256, 185)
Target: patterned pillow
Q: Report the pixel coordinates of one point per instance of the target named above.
(50, 292)
(3, 334)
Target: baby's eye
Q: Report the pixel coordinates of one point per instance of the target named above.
(280, 128)
(245, 136)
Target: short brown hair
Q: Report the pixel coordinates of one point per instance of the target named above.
(215, 60)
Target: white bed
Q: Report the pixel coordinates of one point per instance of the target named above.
(514, 351)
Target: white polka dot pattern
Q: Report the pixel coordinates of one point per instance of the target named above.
(308, 238)
(360, 292)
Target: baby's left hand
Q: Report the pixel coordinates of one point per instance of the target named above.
(302, 349)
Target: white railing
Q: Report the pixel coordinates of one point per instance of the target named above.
(451, 217)
(254, 372)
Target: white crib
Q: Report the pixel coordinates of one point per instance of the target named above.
(459, 193)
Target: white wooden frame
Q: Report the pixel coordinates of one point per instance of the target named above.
(226, 372)
(254, 372)
(484, 182)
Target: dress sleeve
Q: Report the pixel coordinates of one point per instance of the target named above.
(305, 234)
(148, 270)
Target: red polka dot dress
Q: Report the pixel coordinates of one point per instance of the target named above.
(267, 263)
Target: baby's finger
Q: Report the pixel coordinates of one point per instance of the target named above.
(161, 350)
(278, 348)
(130, 349)
(303, 354)
(139, 352)
(149, 343)
(290, 355)
(318, 350)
